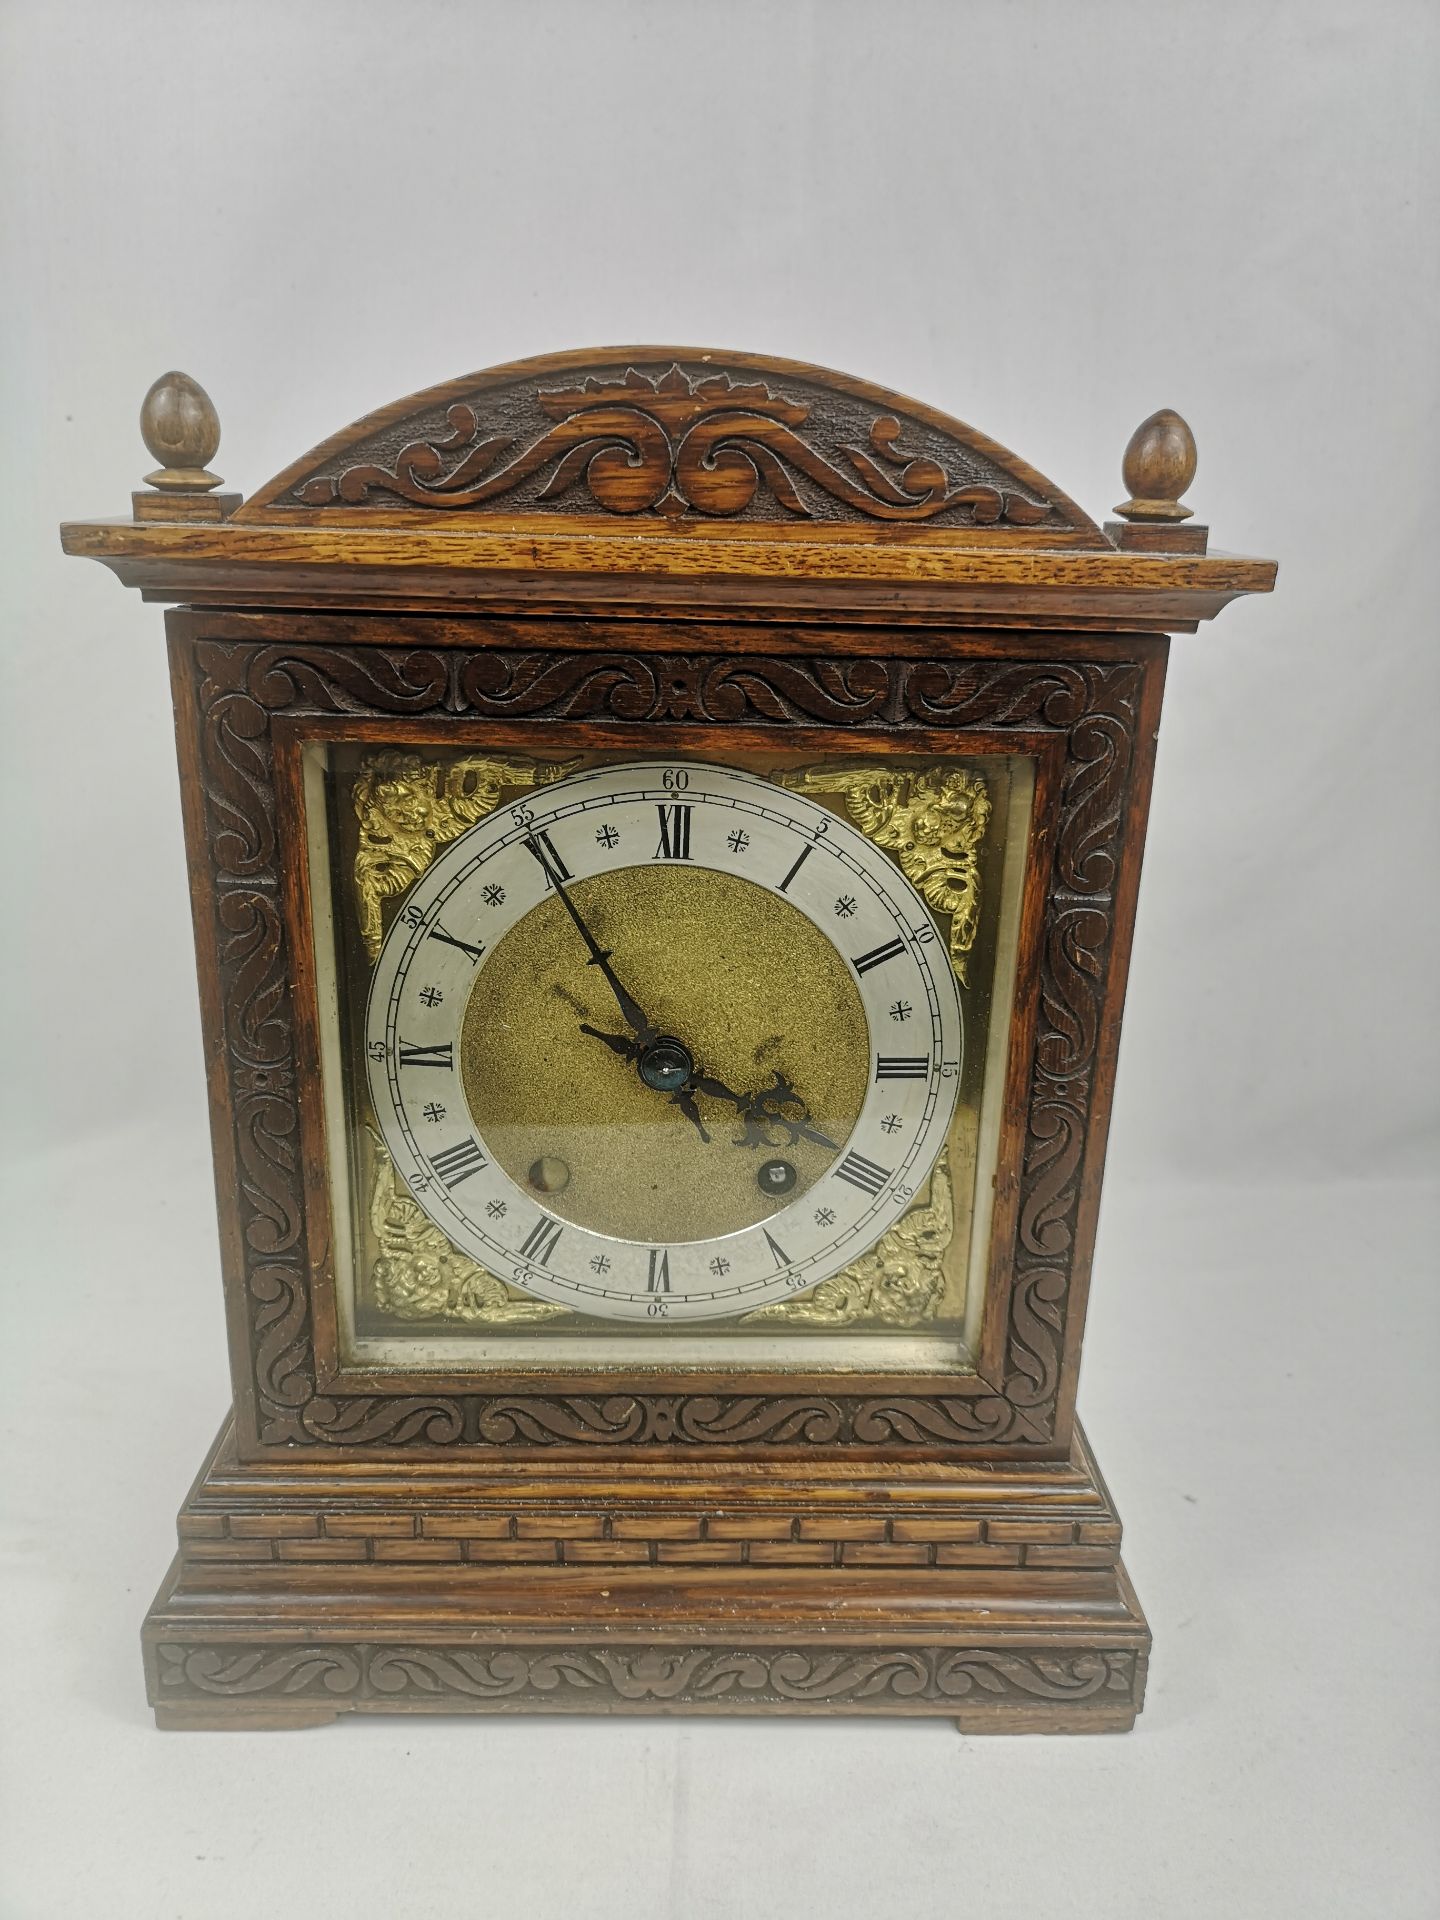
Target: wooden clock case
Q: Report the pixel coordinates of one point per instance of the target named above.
(635, 548)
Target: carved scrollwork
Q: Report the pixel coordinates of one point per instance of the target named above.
(243, 1672)
(661, 1419)
(1041, 1676)
(247, 682)
(237, 687)
(595, 686)
(877, 1678)
(392, 1420)
(957, 1419)
(682, 443)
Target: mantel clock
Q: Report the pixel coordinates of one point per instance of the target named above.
(664, 830)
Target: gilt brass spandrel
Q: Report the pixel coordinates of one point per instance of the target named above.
(937, 821)
(416, 1274)
(933, 821)
(900, 1282)
(408, 807)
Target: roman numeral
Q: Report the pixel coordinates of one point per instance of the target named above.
(877, 956)
(464, 946)
(805, 853)
(894, 1066)
(542, 1239)
(862, 1173)
(458, 1163)
(782, 1259)
(659, 1280)
(427, 1056)
(674, 833)
(551, 865)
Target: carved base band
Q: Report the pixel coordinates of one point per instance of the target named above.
(992, 1596)
(1020, 1686)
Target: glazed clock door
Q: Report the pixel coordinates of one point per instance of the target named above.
(683, 1055)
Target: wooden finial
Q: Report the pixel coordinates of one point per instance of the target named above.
(182, 431)
(1159, 465)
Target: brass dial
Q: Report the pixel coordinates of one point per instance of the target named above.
(749, 982)
(663, 1041)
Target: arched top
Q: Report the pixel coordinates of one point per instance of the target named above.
(679, 436)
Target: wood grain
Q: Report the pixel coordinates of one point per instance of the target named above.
(589, 569)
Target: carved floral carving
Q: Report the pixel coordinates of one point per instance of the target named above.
(242, 1671)
(682, 443)
(628, 686)
(594, 1676)
(239, 686)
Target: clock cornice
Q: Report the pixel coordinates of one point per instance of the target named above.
(674, 479)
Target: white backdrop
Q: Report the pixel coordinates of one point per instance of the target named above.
(1048, 220)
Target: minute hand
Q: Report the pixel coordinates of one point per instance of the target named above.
(631, 1009)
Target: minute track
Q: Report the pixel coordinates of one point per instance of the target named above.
(829, 1218)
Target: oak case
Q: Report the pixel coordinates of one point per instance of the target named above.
(810, 564)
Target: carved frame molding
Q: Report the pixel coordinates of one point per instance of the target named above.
(230, 693)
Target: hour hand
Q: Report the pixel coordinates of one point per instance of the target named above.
(621, 1043)
(685, 1100)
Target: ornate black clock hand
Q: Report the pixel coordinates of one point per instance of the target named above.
(685, 1101)
(672, 1062)
(621, 1043)
(757, 1110)
(629, 1007)
(763, 1109)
